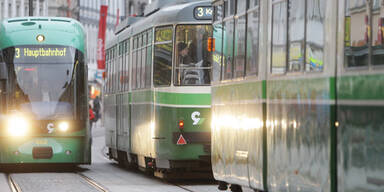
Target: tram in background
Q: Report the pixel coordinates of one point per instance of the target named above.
(297, 101)
(157, 92)
(43, 92)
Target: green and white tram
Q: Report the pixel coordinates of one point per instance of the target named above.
(43, 92)
(297, 103)
(157, 91)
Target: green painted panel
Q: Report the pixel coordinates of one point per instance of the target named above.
(237, 92)
(305, 88)
(364, 87)
(142, 96)
(20, 150)
(182, 98)
(167, 123)
(56, 33)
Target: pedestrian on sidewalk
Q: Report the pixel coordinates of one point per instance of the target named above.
(91, 117)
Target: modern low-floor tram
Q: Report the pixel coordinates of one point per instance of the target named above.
(43, 92)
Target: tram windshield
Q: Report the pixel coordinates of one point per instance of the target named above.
(40, 81)
(193, 57)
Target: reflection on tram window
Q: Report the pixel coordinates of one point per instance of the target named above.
(228, 49)
(138, 62)
(239, 46)
(315, 35)
(252, 43)
(149, 61)
(162, 65)
(134, 62)
(296, 35)
(356, 33)
(193, 59)
(217, 43)
(279, 37)
(253, 3)
(45, 90)
(143, 60)
(241, 6)
(218, 15)
(162, 69)
(377, 33)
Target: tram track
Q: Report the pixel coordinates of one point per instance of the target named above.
(15, 186)
(92, 182)
(182, 187)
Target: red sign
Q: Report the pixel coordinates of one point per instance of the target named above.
(181, 140)
(101, 37)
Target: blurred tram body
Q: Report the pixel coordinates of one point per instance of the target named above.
(43, 84)
(297, 98)
(157, 106)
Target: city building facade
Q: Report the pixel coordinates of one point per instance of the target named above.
(20, 8)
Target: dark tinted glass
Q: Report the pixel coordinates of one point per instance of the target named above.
(162, 64)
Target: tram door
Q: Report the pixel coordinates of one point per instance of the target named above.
(122, 122)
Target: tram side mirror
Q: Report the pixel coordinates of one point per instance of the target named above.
(3, 71)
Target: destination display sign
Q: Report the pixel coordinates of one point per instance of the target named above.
(43, 54)
(203, 13)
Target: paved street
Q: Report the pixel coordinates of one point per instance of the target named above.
(103, 171)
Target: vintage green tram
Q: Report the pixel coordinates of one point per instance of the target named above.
(43, 92)
(157, 91)
(297, 99)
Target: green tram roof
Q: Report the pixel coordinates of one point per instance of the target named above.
(174, 14)
(56, 30)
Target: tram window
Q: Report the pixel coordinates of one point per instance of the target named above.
(126, 68)
(162, 64)
(279, 37)
(121, 60)
(134, 59)
(116, 67)
(218, 53)
(253, 3)
(111, 71)
(163, 34)
(252, 51)
(143, 61)
(228, 49)
(230, 7)
(377, 30)
(138, 67)
(356, 33)
(296, 37)
(315, 35)
(239, 46)
(149, 36)
(148, 67)
(218, 16)
(241, 6)
(162, 69)
(193, 59)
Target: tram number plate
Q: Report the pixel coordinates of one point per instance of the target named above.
(41, 141)
(204, 13)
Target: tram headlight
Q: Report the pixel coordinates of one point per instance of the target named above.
(40, 38)
(63, 126)
(17, 126)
